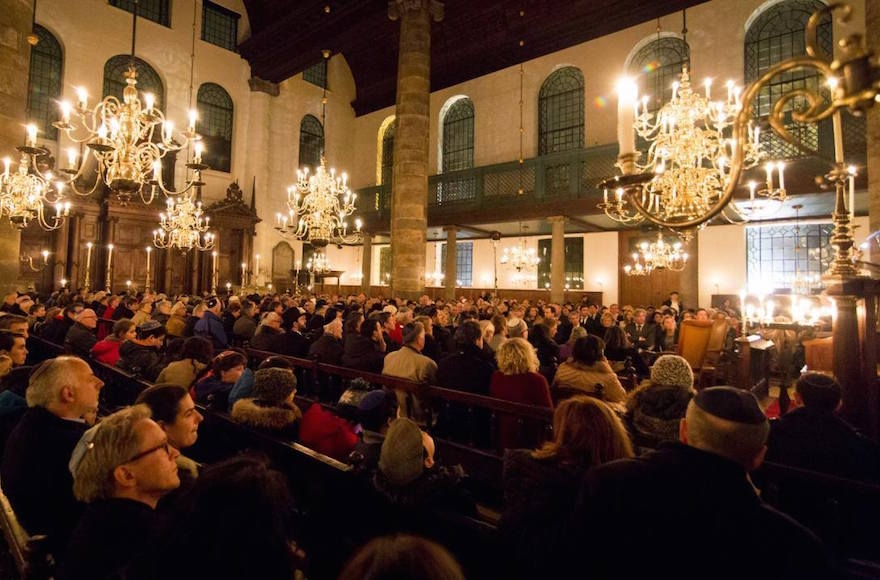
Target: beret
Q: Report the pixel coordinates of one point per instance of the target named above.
(148, 326)
(731, 404)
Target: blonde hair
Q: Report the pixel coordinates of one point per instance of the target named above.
(49, 378)
(516, 356)
(585, 429)
(115, 441)
(739, 442)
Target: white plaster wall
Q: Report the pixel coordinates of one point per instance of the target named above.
(601, 267)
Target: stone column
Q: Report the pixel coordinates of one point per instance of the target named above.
(872, 36)
(15, 25)
(367, 264)
(557, 259)
(451, 263)
(410, 173)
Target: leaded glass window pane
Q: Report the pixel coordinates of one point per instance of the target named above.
(215, 125)
(44, 87)
(458, 136)
(311, 142)
(777, 255)
(388, 152)
(656, 66)
(155, 10)
(561, 112)
(219, 25)
(574, 263)
(776, 35)
(384, 265)
(317, 74)
(464, 263)
(148, 80)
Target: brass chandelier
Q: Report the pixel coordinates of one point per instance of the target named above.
(184, 226)
(519, 257)
(658, 255)
(319, 202)
(25, 192)
(127, 138)
(319, 263)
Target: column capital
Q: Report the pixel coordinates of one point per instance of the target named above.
(397, 8)
(453, 229)
(258, 85)
(556, 219)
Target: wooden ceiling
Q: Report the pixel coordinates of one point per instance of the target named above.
(475, 37)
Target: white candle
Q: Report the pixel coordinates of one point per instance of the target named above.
(193, 115)
(149, 100)
(781, 168)
(149, 251)
(243, 273)
(82, 97)
(31, 135)
(6, 162)
(838, 138)
(257, 265)
(65, 108)
(109, 259)
(769, 167)
(88, 255)
(752, 187)
(627, 96)
(707, 83)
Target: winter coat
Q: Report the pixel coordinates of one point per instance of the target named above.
(327, 433)
(280, 420)
(437, 489)
(176, 325)
(107, 351)
(467, 370)
(80, 339)
(362, 353)
(55, 330)
(143, 361)
(213, 392)
(654, 413)
(577, 375)
(262, 339)
(328, 349)
(182, 372)
(244, 328)
(211, 327)
(526, 388)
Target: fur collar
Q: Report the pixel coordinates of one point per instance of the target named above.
(252, 412)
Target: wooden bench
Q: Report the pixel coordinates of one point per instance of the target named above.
(30, 553)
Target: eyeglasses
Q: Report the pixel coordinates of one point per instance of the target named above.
(164, 445)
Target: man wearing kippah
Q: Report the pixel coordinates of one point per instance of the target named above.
(689, 509)
(410, 363)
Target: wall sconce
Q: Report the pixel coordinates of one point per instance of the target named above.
(29, 260)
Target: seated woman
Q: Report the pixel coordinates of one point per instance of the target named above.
(565, 349)
(517, 379)
(175, 412)
(214, 390)
(658, 405)
(271, 407)
(546, 348)
(107, 350)
(540, 487)
(667, 334)
(618, 349)
(195, 358)
(589, 371)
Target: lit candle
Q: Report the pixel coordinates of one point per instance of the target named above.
(674, 90)
(198, 152)
(780, 167)
(82, 97)
(167, 130)
(45, 257)
(149, 251)
(193, 116)
(71, 157)
(243, 273)
(108, 280)
(769, 167)
(65, 108)
(627, 96)
(752, 187)
(149, 100)
(63, 282)
(707, 83)
(729, 91)
(214, 255)
(6, 162)
(88, 255)
(31, 135)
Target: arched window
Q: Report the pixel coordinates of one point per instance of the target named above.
(148, 80)
(561, 112)
(311, 142)
(44, 87)
(658, 64)
(388, 152)
(458, 136)
(774, 35)
(215, 125)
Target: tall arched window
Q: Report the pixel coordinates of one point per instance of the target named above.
(44, 86)
(148, 80)
(215, 125)
(561, 112)
(656, 65)
(388, 152)
(311, 142)
(458, 136)
(774, 35)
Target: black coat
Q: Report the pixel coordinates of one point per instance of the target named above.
(55, 330)
(110, 535)
(35, 475)
(680, 512)
(262, 339)
(328, 349)
(80, 339)
(361, 353)
(291, 343)
(143, 361)
(470, 371)
(824, 442)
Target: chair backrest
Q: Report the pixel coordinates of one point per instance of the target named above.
(693, 341)
(819, 354)
(717, 336)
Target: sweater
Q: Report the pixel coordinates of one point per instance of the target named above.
(585, 377)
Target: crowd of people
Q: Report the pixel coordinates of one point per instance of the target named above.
(662, 463)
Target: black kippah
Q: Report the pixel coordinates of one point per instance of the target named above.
(731, 404)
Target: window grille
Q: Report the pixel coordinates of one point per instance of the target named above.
(219, 25)
(388, 152)
(776, 255)
(215, 125)
(657, 65)
(458, 136)
(317, 74)
(311, 142)
(384, 265)
(574, 263)
(148, 80)
(561, 112)
(44, 87)
(156, 10)
(464, 263)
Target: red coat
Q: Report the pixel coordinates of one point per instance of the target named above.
(526, 388)
(106, 351)
(326, 433)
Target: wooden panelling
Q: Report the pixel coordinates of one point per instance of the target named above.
(655, 288)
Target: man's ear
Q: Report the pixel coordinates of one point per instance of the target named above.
(67, 394)
(683, 431)
(123, 477)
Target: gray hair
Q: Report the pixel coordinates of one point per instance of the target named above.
(739, 442)
(49, 378)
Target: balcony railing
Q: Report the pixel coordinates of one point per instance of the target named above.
(558, 177)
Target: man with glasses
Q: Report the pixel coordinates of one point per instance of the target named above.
(121, 468)
(62, 395)
(81, 336)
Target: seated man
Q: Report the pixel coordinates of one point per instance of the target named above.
(410, 363)
(81, 336)
(122, 467)
(693, 506)
(62, 394)
(142, 355)
(13, 323)
(14, 345)
(813, 437)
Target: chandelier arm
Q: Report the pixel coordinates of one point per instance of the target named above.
(811, 31)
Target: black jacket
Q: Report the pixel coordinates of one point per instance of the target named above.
(470, 371)
(143, 361)
(263, 337)
(36, 478)
(361, 353)
(109, 536)
(55, 330)
(292, 343)
(328, 349)
(687, 513)
(80, 339)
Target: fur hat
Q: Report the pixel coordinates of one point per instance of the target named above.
(671, 370)
(274, 385)
(402, 458)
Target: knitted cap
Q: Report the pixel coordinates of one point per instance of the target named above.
(273, 385)
(402, 458)
(731, 404)
(671, 370)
